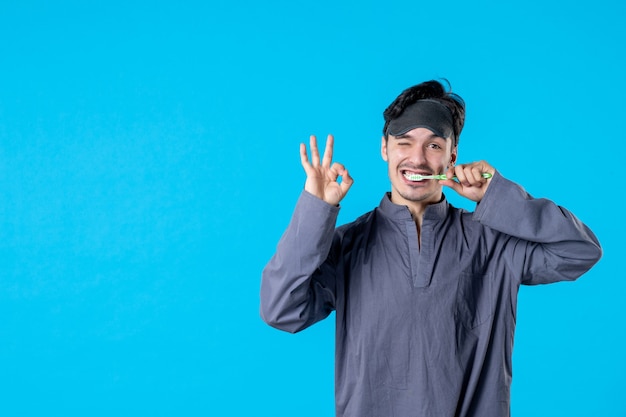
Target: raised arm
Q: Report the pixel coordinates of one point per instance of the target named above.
(550, 243)
(298, 283)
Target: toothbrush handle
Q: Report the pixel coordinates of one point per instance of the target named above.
(485, 175)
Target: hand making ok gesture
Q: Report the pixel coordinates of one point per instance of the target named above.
(322, 178)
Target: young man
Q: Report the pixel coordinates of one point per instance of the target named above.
(425, 294)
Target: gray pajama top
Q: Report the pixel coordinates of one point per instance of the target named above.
(422, 331)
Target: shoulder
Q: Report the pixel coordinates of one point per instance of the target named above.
(358, 224)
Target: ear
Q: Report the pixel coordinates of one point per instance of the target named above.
(383, 149)
(453, 156)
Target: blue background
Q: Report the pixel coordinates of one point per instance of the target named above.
(149, 164)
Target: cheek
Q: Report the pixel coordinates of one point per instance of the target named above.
(394, 155)
(439, 160)
(392, 159)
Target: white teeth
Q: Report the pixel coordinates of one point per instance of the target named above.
(413, 177)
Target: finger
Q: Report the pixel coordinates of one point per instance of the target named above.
(476, 175)
(328, 151)
(315, 154)
(450, 183)
(306, 165)
(335, 171)
(304, 159)
(346, 181)
(461, 175)
(451, 173)
(485, 168)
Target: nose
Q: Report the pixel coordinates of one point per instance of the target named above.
(417, 155)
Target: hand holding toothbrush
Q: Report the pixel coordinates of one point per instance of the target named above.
(472, 179)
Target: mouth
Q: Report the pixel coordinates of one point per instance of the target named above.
(415, 176)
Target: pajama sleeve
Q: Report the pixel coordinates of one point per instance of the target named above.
(298, 283)
(547, 241)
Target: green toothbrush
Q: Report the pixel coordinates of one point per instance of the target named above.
(418, 177)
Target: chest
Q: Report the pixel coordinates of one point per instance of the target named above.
(390, 278)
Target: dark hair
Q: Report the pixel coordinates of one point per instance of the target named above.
(433, 90)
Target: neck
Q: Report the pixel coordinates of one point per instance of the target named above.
(417, 212)
(416, 207)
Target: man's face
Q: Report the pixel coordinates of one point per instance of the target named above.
(419, 151)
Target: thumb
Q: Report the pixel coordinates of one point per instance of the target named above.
(452, 184)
